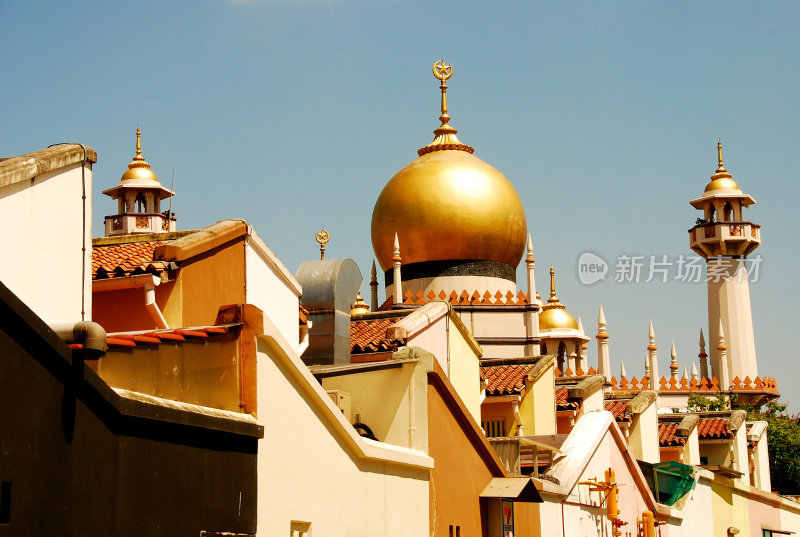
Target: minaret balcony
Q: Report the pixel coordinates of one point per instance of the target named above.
(725, 238)
(133, 223)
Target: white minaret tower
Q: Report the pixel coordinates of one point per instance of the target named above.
(724, 239)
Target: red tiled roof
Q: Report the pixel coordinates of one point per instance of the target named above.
(115, 260)
(617, 408)
(156, 337)
(561, 400)
(666, 435)
(713, 428)
(505, 379)
(370, 336)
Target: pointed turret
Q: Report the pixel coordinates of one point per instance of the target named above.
(603, 356)
(652, 355)
(398, 281)
(373, 288)
(703, 357)
(673, 363)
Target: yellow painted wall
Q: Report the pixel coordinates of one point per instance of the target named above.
(465, 372)
(383, 399)
(538, 407)
(198, 371)
(212, 279)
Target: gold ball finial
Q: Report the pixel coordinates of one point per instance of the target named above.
(322, 238)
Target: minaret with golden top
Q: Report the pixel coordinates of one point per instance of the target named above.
(139, 196)
(724, 239)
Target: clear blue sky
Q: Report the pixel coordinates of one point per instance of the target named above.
(294, 114)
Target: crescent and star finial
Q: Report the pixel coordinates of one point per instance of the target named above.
(322, 238)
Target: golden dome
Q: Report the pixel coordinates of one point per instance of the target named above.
(556, 318)
(721, 180)
(554, 315)
(448, 205)
(359, 306)
(139, 169)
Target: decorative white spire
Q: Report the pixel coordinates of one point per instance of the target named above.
(398, 282)
(622, 373)
(652, 355)
(694, 371)
(673, 362)
(603, 356)
(703, 357)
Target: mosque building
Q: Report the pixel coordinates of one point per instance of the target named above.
(451, 227)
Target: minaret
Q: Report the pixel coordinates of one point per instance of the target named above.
(531, 315)
(139, 196)
(373, 288)
(703, 357)
(724, 239)
(652, 356)
(603, 358)
(398, 282)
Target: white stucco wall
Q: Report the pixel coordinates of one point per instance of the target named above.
(42, 238)
(266, 289)
(309, 470)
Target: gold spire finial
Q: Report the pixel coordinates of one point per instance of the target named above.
(721, 168)
(721, 172)
(553, 302)
(322, 238)
(443, 71)
(138, 160)
(446, 138)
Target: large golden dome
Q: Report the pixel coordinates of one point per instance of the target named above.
(448, 205)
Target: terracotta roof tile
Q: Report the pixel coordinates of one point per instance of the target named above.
(505, 379)
(133, 339)
(617, 408)
(370, 336)
(666, 435)
(713, 428)
(115, 260)
(562, 403)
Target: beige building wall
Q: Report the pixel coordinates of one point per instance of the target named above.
(45, 225)
(644, 435)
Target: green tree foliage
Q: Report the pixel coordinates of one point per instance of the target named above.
(698, 403)
(783, 436)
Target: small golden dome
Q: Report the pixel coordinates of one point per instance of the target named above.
(448, 204)
(139, 169)
(359, 306)
(556, 318)
(554, 315)
(721, 180)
